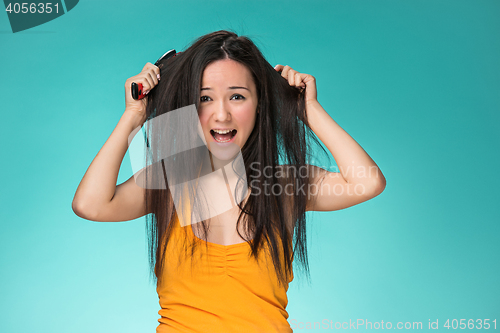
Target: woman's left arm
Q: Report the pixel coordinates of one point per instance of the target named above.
(359, 179)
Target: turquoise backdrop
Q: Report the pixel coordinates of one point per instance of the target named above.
(415, 82)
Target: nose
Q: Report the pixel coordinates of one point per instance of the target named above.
(222, 113)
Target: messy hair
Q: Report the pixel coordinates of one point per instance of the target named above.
(278, 139)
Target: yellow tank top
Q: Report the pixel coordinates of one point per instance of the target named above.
(225, 290)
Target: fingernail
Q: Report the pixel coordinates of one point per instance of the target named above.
(158, 76)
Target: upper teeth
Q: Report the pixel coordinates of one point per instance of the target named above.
(222, 131)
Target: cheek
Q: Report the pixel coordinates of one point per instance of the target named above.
(203, 128)
(247, 118)
(203, 119)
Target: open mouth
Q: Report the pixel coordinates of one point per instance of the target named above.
(223, 135)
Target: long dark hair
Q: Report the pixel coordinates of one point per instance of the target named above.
(278, 138)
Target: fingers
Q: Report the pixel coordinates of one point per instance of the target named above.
(155, 70)
(291, 77)
(294, 78)
(151, 66)
(149, 77)
(284, 70)
(298, 80)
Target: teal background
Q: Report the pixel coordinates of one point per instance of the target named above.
(415, 82)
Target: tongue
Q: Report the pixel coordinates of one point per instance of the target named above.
(223, 137)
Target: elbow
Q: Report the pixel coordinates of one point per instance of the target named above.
(375, 186)
(78, 208)
(378, 185)
(81, 210)
(379, 189)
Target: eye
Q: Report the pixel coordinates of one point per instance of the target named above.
(202, 98)
(242, 97)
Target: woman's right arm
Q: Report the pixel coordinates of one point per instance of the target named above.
(98, 198)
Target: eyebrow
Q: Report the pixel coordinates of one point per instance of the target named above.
(233, 87)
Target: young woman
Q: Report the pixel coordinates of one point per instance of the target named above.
(238, 280)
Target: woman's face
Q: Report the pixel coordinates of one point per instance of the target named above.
(228, 104)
